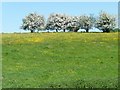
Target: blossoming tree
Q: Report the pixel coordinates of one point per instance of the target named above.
(105, 22)
(86, 22)
(73, 23)
(57, 22)
(33, 22)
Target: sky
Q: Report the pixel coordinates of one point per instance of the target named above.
(14, 12)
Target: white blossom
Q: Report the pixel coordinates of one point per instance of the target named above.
(57, 21)
(33, 22)
(105, 22)
(73, 23)
(86, 22)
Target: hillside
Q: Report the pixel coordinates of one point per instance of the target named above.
(60, 60)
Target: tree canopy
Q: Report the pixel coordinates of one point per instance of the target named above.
(57, 21)
(33, 22)
(105, 22)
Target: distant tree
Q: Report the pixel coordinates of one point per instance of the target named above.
(53, 22)
(105, 22)
(73, 23)
(116, 30)
(57, 22)
(86, 22)
(33, 22)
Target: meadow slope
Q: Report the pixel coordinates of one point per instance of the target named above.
(60, 60)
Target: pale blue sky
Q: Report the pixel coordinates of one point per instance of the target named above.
(13, 12)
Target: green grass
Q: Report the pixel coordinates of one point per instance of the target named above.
(62, 60)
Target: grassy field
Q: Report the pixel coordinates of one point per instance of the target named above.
(60, 60)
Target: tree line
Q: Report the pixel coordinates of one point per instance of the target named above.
(57, 21)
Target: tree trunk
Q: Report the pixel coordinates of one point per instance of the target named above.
(32, 31)
(56, 30)
(104, 31)
(87, 30)
(63, 30)
(107, 30)
(75, 29)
